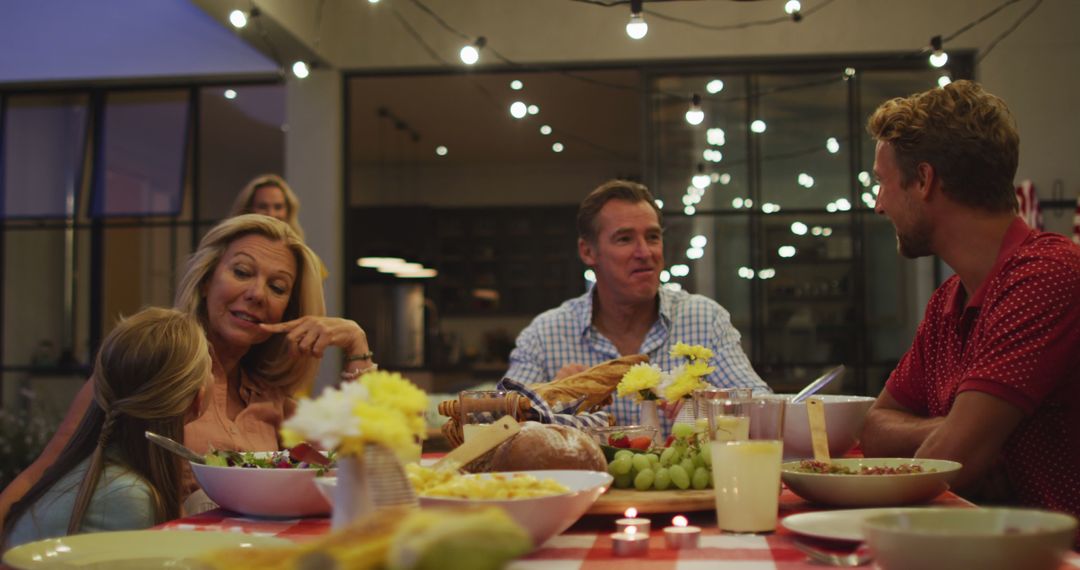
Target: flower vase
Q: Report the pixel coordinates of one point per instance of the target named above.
(649, 415)
(352, 497)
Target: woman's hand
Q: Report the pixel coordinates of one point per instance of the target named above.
(310, 336)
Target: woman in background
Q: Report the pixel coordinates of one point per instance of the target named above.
(269, 195)
(149, 375)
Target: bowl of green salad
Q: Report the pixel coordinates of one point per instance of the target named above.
(263, 483)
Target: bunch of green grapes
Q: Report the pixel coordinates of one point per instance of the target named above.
(682, 465)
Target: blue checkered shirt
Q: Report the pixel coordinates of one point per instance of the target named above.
(565, 335)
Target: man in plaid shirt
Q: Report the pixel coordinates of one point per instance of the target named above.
(626, 312)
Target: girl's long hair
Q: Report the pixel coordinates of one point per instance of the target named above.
(146, 376)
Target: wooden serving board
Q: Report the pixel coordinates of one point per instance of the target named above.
(616, 501)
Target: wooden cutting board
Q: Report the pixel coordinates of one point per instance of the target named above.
(616, 501)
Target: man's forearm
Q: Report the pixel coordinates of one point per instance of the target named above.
(895, 433)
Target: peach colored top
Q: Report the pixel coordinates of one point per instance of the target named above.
(255, 428)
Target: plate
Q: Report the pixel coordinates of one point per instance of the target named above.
(174, 549)
(856, 491)
(837, 525)
(616, 501)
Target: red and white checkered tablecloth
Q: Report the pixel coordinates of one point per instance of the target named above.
(587, 545)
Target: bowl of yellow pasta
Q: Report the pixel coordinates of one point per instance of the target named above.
(544, 503)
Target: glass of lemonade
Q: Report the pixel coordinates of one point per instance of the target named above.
(746, 481)
(725, 417)
(479, 408)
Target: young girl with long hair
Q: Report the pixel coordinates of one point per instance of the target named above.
(148, 375)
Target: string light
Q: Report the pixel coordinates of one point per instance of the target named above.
(786, 251)
(798, 228)
(832, 145)
(943, 81)
(230, 94)
(545, 130)
(518, 110)
(557, 147)
(715, 136)
(715, 86)
(516, 85)
(533, 109)
(301, 69)
(694, 115)
(938, 57)
(699, 241)
(794, 9)
(746, 272)
(470, 54)
(665, 276)
(689, 210)
(680, 270)
(695, 253)
(659, 203)
(590, 275)
(637, 27)
(238, 19)
(758, 126)
(701, 179)
(441, 150)
(372, 1)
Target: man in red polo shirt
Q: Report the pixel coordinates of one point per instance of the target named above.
(992, 379)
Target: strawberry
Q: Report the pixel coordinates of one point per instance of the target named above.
(619, 440)
(641, 442)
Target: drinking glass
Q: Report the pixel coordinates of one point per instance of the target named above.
(709, 403)
(727, 419)
(482, 407)
(746, 477)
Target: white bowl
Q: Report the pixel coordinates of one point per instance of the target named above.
(988, 539)
(844, 417)
(541, 517)
(840, 490)
(263, 492)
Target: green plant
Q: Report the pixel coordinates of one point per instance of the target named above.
(23, 435)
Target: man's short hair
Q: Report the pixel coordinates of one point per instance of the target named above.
(624, 190)
(967, 134)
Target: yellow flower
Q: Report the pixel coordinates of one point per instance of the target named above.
(639, 378)
(693, 353)
(383, 426)
(390, 389)
(683, 385)
(699, 368)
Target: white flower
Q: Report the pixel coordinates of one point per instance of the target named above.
(329, 418)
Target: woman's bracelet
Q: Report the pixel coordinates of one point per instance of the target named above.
(349, 375)
(362, 356)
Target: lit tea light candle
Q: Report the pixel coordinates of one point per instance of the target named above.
(642, 526)
(681, 535)
(629, 542)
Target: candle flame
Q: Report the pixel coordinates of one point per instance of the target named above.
(631, 530)
(631, 513)
(679, 521)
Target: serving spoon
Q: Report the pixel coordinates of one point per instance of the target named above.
(813, 387)
(175, 447)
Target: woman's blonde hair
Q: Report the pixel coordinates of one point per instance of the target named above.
(245, 199)
(146, 376)
(269, 361)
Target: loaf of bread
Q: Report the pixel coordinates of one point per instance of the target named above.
(548, 446)
(593, 386)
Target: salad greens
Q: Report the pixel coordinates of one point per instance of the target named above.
(264, 460)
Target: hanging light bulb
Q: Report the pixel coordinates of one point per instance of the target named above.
(518, 110)
(794, 9)
(694, 115)
(943, 81)
(238, 19)
(470, 54)
(636, 28)
(301, 69)
(701, 180)
(938, 57)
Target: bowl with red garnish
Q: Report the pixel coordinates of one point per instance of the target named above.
(635, 438)
(869, 482)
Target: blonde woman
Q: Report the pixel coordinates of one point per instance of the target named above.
(254, 287)
(149, 375)
(269, 195)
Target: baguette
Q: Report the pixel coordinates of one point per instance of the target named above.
(593, 386)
